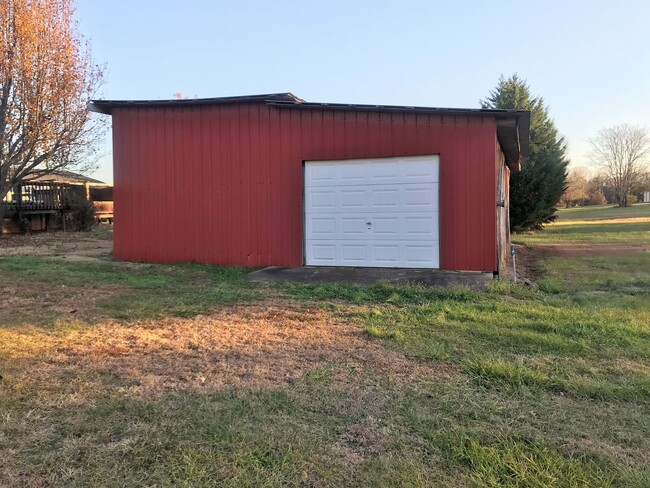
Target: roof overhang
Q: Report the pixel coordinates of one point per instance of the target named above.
(512, 125)
(513, 134)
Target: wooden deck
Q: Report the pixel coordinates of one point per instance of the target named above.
(31, 200)
(39, 198)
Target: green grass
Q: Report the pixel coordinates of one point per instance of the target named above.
(519, 338)
(515, 386)
(594, 225)
(376, 294)
(627, 274)
(125, 291)
(431, 434)
(604, 212)
(511, 462)
(579, 232)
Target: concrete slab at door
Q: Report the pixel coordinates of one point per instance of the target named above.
(380, 212)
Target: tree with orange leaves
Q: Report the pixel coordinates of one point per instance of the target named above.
(46, 78)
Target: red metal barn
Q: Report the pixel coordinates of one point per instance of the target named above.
(274, 180)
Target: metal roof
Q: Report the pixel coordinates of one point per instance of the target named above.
(106, 106)
(513, 125)
(64, 176)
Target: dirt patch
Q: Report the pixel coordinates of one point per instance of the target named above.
(527, 260)
(96, 244)
(257, 346)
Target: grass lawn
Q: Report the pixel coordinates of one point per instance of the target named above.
(594, 225)
(604, 212)
(118, 374)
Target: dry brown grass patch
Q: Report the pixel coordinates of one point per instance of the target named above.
(255, 346)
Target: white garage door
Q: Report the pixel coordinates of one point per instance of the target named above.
(372, 212)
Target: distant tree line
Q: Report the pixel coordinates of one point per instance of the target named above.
(588, 187)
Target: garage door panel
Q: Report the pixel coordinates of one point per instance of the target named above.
(352, 198)
(320, 227)
(420, 255)
(386, 254)
(404, 227)
(323, 252)
(419, 171)
(320, 200)
(319, 175)
(355, 254)
(421, 197)
(420, 227)
(384, 198)
(352, 227)
(351, 174)
(388, 225)
(374, 212)
(387, 172)
(416, 169)
(409, 197)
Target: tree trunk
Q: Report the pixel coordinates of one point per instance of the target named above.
(2, 217)
(3, 193)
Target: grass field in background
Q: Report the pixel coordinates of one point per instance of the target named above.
(604, 212)
(401, 386)
(594, 225)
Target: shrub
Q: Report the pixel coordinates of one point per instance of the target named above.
(631, 200)
(81, 213)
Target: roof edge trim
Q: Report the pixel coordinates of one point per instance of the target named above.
(106, 106)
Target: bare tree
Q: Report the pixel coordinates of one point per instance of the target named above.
(46, 79)
(622, 151)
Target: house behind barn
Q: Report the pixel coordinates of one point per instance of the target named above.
(275, 180)
(44, 202)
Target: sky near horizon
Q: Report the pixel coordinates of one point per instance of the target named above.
(589, 60)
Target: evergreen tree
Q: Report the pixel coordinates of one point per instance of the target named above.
(537, 188)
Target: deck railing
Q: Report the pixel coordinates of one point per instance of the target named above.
(40, 197)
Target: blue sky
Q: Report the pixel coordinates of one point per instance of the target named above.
(590, 60)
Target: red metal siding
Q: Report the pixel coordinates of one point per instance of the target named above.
(223, 184)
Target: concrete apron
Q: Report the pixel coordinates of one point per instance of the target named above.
(371, 276)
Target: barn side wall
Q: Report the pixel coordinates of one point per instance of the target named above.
(223, 184)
